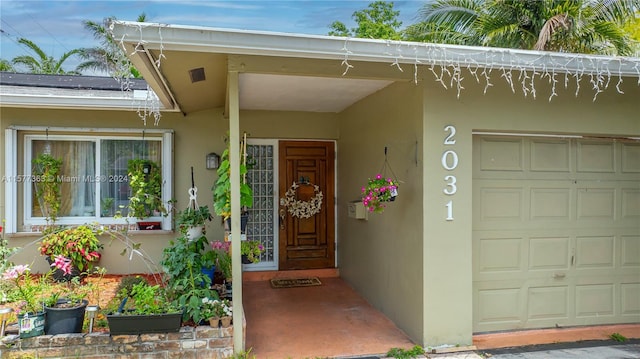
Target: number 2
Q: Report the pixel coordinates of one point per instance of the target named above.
(452, 132)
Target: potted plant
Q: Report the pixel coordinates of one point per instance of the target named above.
(222, 187)
(183, 261)
(191, 221)
(251, 251)
(29, 290)
(47, 182)
(223, 263)
(80, 244)
(377, 191)
(145, 181)
(218, 312)
(144, 308)
(65, 306)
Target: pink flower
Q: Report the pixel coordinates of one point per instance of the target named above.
(62, 263)
(15, 271)
(220, 245)
(378, 176)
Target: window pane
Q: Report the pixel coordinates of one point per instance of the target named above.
(114, 157)
(77, 174)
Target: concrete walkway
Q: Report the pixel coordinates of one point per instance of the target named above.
(333, 321)
(326, 321)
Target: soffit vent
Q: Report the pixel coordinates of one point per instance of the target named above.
(197, 74)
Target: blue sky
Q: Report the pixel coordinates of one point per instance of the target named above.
(56, 26)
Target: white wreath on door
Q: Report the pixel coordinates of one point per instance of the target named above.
(302, 209)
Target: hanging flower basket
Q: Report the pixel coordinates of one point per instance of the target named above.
(378, 191)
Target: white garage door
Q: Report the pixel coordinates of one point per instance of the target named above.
(556, 232)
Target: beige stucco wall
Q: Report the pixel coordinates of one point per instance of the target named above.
(447, 248)
(195, 135)
(382, 257)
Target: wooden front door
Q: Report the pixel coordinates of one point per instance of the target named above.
(306, 243)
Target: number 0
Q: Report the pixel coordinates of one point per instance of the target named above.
(450, 154)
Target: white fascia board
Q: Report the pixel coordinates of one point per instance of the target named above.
(216, 40)
(23, 96)
(62, 102)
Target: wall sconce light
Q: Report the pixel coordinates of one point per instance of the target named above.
(213, 161)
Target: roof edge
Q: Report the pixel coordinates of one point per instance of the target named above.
(205, 39)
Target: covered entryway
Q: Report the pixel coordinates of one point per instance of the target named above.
(556, 234)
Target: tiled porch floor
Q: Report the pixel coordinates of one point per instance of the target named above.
(332, 320)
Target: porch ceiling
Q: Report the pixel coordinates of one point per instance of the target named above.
(257, 91)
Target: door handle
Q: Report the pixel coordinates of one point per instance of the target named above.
(559, 275)
(283, 217)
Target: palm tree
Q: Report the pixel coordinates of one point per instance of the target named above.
(584, 26)
(42, 63)
(108, 57)
(5, 65)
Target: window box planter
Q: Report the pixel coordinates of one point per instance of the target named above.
(122, 323)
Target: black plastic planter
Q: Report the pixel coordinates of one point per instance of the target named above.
(139, 324)
(64, 320)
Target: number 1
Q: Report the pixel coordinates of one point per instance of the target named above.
(449, 206)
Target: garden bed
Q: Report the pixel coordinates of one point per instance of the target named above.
(205, 340)
(105, 290)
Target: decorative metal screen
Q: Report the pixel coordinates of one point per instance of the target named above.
(260, 176)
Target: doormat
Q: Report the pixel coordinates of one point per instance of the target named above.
(295, 282)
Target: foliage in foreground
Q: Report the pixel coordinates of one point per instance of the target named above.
(405, 353)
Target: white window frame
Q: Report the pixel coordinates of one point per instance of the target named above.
(91, 134)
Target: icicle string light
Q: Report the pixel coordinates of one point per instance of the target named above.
(452, 60)
(149, 107)
(547, 67)
(345, 62)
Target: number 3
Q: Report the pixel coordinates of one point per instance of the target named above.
(451, 185)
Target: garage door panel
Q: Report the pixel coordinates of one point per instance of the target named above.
(595, 252)
(549, 253)
(630, 204)
(501, 204)
(595, 157)
(556, 236)
(499, 255)
(501, 154)
(499, 306)
(550, 155)
(548, 303)
(630, 299)
(550, 204)
(594, 300)
(630, 157)
(630, 251)
(596, 203)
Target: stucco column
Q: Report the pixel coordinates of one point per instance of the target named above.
(236, 262)
(447, 227)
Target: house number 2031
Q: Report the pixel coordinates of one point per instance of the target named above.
(449, 162)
